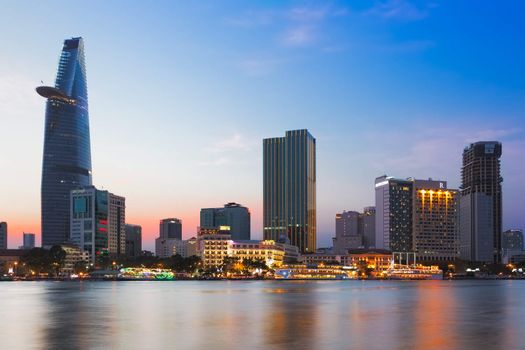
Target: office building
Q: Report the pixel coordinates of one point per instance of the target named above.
(289, 189)
(116, 225)
(97, 221)
(435, 221)
(347, 232)
(3, 235)
(28, 241)
(170, 228)
(67, 155)
(233, 215)
(133, 240)
(480, 202)
(393, 214)
(512, 245)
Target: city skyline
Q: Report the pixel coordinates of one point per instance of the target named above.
(357, 140)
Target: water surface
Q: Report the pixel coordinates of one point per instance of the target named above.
(263, 315)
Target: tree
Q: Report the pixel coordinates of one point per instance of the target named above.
(37, 260)
(57, 257)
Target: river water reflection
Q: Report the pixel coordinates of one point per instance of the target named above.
(263, 315)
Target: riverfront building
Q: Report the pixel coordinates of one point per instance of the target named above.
(97, 221)
(480, 202)
(435, 221)
(233, 215)
(289, 189)
(394, 214)
(67, 154)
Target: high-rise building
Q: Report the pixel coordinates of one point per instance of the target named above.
(3, 235)
(116, 225)
(97, 224)
(394, 214)
(170, 228)
(368, 224)
(67, 156)
(133, 240)
(28, 241)
(347, 232)
(480, 202)
(435, 221)
(233, 215)
(512, 241)
(289, 189)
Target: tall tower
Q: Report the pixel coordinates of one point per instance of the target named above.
(66, 161)
(480, 202)
(289, 189)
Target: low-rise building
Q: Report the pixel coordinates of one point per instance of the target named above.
(74, 255)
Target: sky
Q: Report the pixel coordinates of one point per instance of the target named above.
(181, 95)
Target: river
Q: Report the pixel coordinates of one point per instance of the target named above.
(263, 315)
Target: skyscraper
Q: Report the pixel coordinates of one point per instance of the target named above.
(170, 228)
(233, 215)
(480, 202)
(116, 225)
(394, 214)
(67, 156)
(289, 189)
(3, 235)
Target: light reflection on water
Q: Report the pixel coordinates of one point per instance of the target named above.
(263, 315)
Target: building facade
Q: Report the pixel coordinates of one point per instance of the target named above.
(97, 224)
(167, 247)
(347, 232)
(393, 214)
(480, 202)
(67, 153)
(435, 221)
(233, 215)
(3, 235)
(368, 226)
(170, 228)
(28, 241)
(289, 189)
(116, 225)
(133, 240)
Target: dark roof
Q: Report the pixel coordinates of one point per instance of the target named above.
(12, 252)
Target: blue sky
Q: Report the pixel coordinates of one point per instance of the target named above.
(182, 94)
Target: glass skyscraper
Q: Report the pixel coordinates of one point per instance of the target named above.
(67, 155)
(289, 186)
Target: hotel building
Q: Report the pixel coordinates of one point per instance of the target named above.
(393, 218)
(435, 221)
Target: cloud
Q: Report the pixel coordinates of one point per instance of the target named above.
(235, 143)
(299, 36)
(400, 10)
